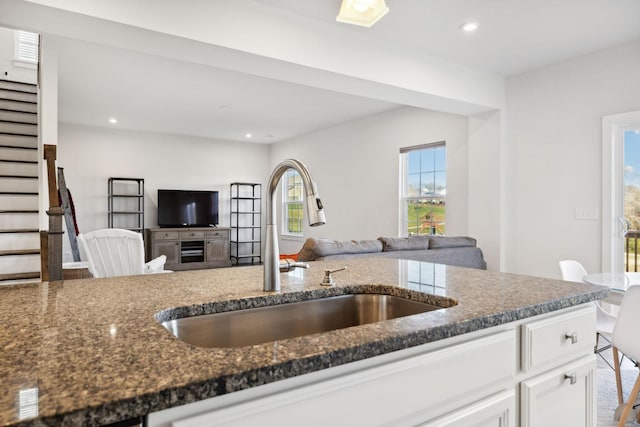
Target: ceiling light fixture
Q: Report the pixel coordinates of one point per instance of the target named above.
(248, 136)
(469, 27)
(113, 120)
(362, 12)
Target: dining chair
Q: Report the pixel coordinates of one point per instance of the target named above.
(625, 340)
(573, 271)
(117, 252)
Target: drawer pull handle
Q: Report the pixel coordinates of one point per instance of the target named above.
(573, 337)
(572, 376)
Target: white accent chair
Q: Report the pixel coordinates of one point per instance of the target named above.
(625, 340)
(117, 252)
(573, 271)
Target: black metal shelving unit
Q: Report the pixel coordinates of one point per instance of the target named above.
(246, 225)
(126, 204)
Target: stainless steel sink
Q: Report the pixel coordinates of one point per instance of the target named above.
(277, 322)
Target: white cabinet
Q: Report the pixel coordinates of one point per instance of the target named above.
(468, 380)
(563, 397)
(495, 411)
(404, 392)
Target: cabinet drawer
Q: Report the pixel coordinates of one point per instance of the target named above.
(558, 339)
(192, 234)
(165, 235)
(217, 234)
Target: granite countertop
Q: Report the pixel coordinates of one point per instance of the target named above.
(91, 352)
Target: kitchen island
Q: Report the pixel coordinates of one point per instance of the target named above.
(92, 351)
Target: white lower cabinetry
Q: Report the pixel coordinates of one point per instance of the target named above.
(469, 380)
(557, 355)
(494, 411)
(563, 397)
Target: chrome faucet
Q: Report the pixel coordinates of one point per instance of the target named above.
(314, 212)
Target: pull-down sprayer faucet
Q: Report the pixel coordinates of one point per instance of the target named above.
(314, 212)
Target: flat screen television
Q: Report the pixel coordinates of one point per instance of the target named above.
(184, 208)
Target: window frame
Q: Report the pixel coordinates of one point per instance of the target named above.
(404, 177)
(286, 202)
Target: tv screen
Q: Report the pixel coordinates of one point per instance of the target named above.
(183, 208)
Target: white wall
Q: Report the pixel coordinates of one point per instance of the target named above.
(485, 185)
(554, 131)
(356, 168)
(90, 155)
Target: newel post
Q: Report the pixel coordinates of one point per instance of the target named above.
(55, 212)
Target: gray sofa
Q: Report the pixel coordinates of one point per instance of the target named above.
(459, 250)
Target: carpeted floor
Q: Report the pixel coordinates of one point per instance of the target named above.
(606, 389)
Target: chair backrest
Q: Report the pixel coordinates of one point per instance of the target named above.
(572, 271)
(112, 252)
(625, 332)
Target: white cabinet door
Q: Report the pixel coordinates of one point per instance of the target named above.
(562, 397)
(495, 411)
(401, 393)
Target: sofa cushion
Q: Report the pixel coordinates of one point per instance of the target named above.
(404, 243)
(314, 248)
(440, 242)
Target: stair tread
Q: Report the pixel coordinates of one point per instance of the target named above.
(19, 230)
(18, 122)
(20, 161)
(18, 177)
(17, 147)
(14, 111)
(19, 193)
(25, 87)
(15, 211)
(18, 276)
(20, 252)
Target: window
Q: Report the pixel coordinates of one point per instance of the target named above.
(26, 47)
(424, 188)
(292, 201)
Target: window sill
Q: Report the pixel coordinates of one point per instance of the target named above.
(25, 64)
(291, 237)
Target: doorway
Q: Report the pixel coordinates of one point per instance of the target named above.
(621, 192)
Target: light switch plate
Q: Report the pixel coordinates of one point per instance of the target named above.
(587, 213)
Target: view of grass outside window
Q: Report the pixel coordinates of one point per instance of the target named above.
(425, 189)
(632, 197)
(292, 198)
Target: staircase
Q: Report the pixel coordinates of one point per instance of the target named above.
(19, 236)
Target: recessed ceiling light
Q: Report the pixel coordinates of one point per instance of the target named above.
(469, 27)
(248, 136)
(362, 12)
(113, 120)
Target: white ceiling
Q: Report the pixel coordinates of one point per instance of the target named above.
(156, 94)
(514, 35)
